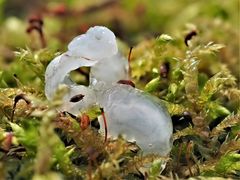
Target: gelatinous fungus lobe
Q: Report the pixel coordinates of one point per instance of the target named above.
(125, 110)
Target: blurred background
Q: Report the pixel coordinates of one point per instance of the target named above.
(132, 21)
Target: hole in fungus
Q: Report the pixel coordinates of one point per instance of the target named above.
(80, 76)
(76, 98)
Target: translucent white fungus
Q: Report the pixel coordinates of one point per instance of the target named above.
(75, 107)
(138, 117)
(110, 70)
(135, 115)
(98, 46)
(98, 43)
(58, 71)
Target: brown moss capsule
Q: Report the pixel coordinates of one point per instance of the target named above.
(189, 36)
(19, 97)
(36, 24)
(127, 82)
(7, 142)
(36, 19)
(85, 121)
(16, 99)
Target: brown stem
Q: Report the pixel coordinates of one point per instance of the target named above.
(105, 124)
(40, 32)
(179, 154)
(129, 59)
(188, 152)
(90, 169)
